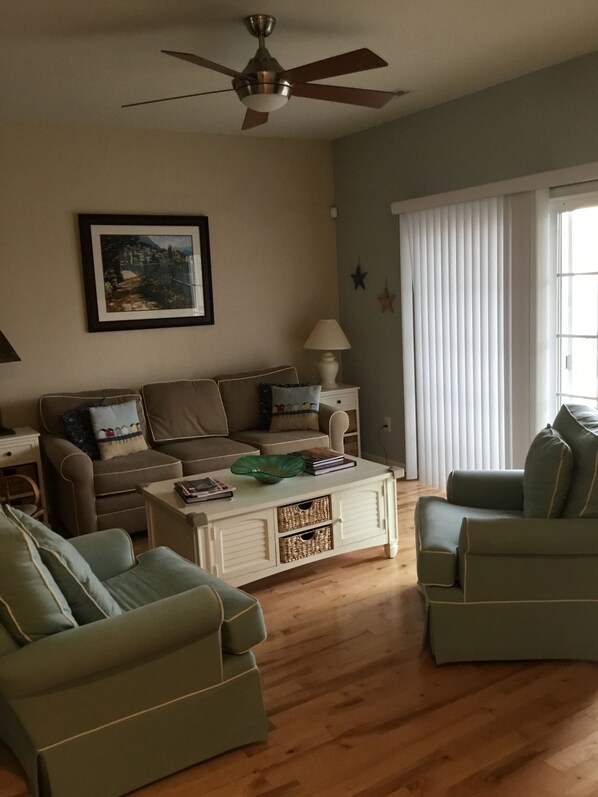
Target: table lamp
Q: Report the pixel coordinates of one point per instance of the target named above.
(7, 355)
(327, 336)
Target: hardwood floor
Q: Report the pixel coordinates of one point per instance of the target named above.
(358, 708)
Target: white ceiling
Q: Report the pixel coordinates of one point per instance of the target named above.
(80, 60)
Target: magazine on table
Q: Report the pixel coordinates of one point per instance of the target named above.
(203, 489)
(344, 463)
(319, 457)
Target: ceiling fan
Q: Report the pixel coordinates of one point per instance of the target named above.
(264, 86)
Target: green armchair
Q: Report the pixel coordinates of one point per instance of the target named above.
(508, 562)
(119, 671)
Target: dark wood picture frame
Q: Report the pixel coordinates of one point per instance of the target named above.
(143, 272)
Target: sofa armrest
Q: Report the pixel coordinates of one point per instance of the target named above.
(512, 559)
(486, 489)
(67, 460)
(334, 423)
(112, 644)
(108, 553)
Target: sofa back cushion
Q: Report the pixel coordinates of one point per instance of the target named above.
(53, 406)
(87, 597)
(547, 475)
(31, 603)
(578, 425)
(240, 394)
(184, 410)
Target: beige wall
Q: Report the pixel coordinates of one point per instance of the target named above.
(272, 243)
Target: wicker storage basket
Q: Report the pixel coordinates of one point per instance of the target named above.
(298, 546)
(305, 513)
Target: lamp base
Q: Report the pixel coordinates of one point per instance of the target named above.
(328, 369)
(4, 430)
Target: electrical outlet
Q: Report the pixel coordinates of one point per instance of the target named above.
(387, 422)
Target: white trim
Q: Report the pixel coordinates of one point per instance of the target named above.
(529, 182)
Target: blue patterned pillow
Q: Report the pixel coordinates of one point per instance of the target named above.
(78, 429)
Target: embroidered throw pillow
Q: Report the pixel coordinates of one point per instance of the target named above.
(547, 475)
(295, 408)
(265, 400)
(117, 429)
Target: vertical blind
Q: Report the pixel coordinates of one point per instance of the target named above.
(456, 280)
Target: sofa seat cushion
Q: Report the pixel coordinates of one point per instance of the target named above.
(283, 442)
(578, 426)
(437, 527)
(123, 474)
(241, 394)
(161, 573)
(207, 453)
(184, 409)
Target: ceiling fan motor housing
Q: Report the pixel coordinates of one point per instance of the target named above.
(264, 90)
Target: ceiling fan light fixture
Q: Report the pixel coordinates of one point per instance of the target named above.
(264, 97)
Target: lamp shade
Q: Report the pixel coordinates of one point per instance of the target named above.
(327, 336)
(7, 353)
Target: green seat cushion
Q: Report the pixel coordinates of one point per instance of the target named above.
(161, 573)
(88, 599)
(31, 603)
(578, 426)
(547, 475)
(437, 527)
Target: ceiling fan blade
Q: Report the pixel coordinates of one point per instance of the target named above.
(344, 64)
(199, 61)
(179, 97)
(369, 98)
(254, 119)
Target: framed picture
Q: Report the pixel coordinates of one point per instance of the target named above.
(142, 272)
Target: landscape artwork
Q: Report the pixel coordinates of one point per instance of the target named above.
(146, 271)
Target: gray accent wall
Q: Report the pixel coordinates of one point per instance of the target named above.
(543, 121)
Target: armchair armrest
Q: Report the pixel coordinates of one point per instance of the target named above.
(534, 559)
(113, 643)
(334, 423)
(108, 552)
(486, 489)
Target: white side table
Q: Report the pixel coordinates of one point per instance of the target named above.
(346, 397)
(19, 453)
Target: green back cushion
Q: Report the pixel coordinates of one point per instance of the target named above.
(31, 603)
(578, 425)
(87, 597)
(547, 475)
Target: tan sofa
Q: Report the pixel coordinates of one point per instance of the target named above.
(191, 426)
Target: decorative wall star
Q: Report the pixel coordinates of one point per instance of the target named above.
(359, 277)
(386, 299)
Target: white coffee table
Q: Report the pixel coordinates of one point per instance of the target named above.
(243, 539)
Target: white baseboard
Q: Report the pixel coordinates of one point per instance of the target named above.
(383, 461)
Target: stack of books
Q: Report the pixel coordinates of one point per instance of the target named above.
(323, 460)
(204, 489)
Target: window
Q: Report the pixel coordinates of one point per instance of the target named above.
(575, 226)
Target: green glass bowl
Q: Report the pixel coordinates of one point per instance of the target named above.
(268, 468)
